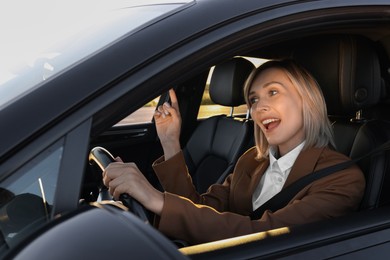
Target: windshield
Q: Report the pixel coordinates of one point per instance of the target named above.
(41, 38)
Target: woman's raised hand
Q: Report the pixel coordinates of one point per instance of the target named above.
(168, 123)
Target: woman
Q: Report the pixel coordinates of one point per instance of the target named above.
(293, 138)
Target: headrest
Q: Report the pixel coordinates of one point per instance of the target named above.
(227, 82)
(346, 68)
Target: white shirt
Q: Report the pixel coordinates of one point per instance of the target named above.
(275, 176)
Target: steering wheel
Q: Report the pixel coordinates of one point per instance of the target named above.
(102, 158)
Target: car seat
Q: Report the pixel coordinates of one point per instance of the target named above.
(348, 71)
(217, 142)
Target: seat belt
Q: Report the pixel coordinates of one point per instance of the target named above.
(283, 197)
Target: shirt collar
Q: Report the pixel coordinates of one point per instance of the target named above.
(286, 161)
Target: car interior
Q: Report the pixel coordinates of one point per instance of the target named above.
(352, 72)
(351, 83)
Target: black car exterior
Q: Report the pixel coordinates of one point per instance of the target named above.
(48, 129)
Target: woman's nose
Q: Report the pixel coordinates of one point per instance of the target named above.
(261, 106)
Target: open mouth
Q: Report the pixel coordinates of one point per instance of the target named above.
(270, 123)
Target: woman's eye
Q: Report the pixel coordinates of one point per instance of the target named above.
(253, 100)
(273, 92)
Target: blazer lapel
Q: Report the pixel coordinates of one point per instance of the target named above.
(243, 194)
(304, 164)
(254, 170)
(256, 175)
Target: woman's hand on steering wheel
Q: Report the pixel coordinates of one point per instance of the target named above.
(126, 178)
(104, 159)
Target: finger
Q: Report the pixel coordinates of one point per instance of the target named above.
(115, 188)
(115, 193)
(118, 192)
(157, 114)
(118, 159)
(167, 108)
(106, 180)
(160, 110)
(113, 170)
(122, 185)
(171, 110)
(174, 102)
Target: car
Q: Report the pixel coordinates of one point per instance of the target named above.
(82, 76)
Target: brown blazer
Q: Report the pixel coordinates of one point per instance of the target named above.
(223, 211)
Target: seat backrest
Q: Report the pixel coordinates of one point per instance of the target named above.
(217, 142)
(347, 69)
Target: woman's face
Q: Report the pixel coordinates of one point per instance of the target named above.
(276, 107)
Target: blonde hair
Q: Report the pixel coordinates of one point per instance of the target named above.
(317, 127)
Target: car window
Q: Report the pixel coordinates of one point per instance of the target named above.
(27, 196)
(209, 108)
(142, 115)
